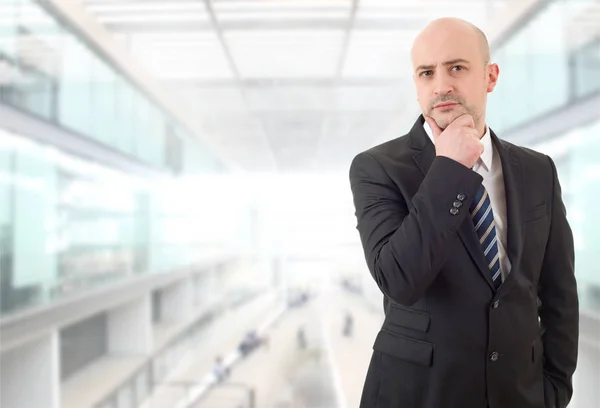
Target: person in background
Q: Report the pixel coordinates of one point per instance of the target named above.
(301, 338)
(220, 371)
(348, 325)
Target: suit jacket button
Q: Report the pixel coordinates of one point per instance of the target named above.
(453, 211)
(461, 197)
(494, 356)
(457, 204)
(496, 304)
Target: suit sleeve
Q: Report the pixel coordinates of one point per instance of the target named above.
(406, 246)
(559, 311)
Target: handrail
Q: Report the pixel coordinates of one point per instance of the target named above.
(212, 312)
(210, 380)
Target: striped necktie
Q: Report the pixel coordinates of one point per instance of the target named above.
(485, 226)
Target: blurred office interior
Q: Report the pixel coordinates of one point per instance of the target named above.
(176, 222)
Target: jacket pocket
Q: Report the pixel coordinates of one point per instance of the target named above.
(399, 316)
(404, 348)
(536, 213)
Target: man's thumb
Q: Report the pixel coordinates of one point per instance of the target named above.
(434, 126)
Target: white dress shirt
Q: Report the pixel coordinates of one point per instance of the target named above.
(490, 168)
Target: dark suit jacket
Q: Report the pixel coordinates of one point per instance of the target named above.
(449, 340)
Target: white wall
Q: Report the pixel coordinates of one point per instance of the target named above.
(30, 375)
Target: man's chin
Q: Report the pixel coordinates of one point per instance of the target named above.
(443, 119)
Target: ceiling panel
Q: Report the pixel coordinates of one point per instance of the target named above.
(242, 135)
(287, 85)
(285, 53)
(206, 100)
(100, 7)
(376, 53)
(421, 12)
(181, 55)
(236, 16)
(148, 11)
(278, 5)
(290, 98)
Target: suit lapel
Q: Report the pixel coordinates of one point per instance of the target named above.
(423, 158)
(515, 204)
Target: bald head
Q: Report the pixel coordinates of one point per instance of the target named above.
(454, 27)
(452, 71)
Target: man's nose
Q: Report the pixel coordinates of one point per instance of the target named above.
(443, 84)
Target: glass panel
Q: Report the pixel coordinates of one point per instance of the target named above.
(98, 238)
(534, 57)
(6, 162)
(584, 186)
(578, 165)
(50, 72)
(516, 76)
(70, 224)
(8, 27)
(6, 224)
(586, 69)
(74, 99)
(124, 117)
(35, 238)
(103, 103)
(36, 51)
(158, 130)
(33, 91)
(549, 64)
(145, 133)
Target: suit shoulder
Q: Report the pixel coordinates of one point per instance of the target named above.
(391, 150)
(529, 156)
(538, 169)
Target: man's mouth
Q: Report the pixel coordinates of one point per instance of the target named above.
(445, 105)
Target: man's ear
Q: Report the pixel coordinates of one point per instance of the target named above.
(493, 71)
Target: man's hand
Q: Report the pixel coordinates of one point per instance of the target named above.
(459, 141)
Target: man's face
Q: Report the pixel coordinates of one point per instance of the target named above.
(451, 75)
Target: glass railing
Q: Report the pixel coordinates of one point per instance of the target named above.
(67, 224)
(542, 67)
(578, 166)
(47, 70)
(585, 69)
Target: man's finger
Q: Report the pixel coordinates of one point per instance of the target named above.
(434, 126)
(463, 120)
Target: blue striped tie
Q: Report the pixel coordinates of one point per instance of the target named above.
(485, 226)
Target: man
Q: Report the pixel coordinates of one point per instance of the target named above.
(220, 371)
(466, 236)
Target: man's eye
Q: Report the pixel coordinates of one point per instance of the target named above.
(458, 68)
(427, 73)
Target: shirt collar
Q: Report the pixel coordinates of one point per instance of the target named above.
(487, 155)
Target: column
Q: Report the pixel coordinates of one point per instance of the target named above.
(176, 301)
(30, 374)
(130, 328)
